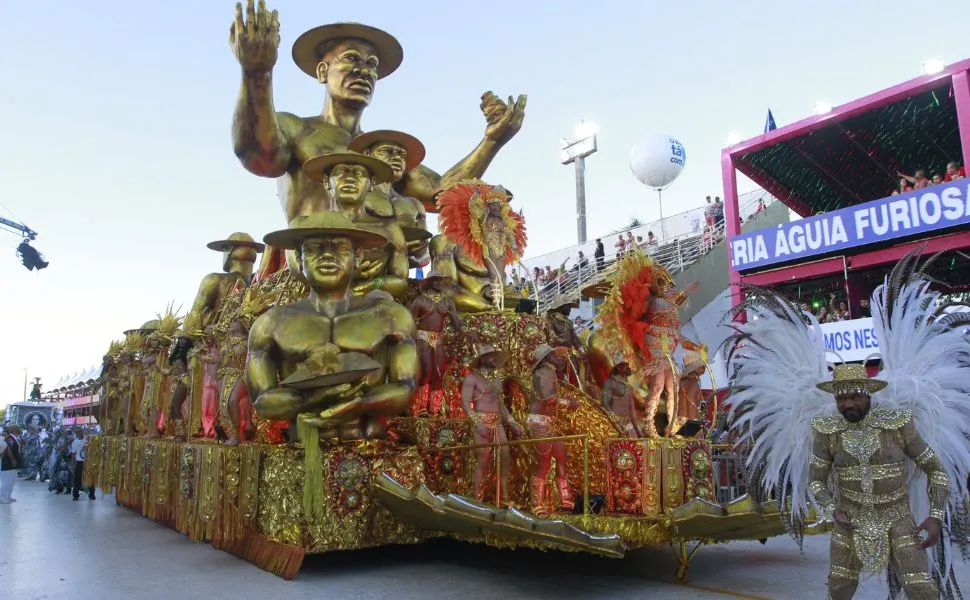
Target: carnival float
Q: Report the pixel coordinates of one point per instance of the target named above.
(317, 399)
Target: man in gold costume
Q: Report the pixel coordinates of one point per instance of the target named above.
(328, 246)
(543, 406)
(348, 58)
(867, 449)
(348, 178)
(433, 311)
(401, 152)
(483, 399)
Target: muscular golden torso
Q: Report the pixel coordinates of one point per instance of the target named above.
(298, 328)
(307, 137)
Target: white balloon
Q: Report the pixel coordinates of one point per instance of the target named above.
(658, 160)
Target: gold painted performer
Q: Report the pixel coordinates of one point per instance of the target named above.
(483, 399)
(433, 311)
(543, 406)
(894, 445)
(331, 322)
(348, 58)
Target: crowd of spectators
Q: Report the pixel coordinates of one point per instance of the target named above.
(920, 180)
(837, 309)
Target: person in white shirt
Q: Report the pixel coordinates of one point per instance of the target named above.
(78, 452)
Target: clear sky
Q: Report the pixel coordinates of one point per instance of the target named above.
(116, 147)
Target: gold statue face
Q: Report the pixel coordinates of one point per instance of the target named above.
(349, 69)
(328, 263)
(349, 184)
(394, 155)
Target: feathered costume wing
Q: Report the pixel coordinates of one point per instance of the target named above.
(462, 210)
(926, 362)
(777, 356)
(621, 316)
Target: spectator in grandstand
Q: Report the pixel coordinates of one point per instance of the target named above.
(548, 277)
(631, 244)
(918, 180)
(536, 275)
(864, 309)
(599, 254)
(806, 307)
(761, 206)
(620, 246)
(954, 171)
(718, 211)
(823, 315)
(582, 263)
(516, 282)
(937, 179)
(839, 309)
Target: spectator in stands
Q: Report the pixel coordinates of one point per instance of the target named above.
(536, 275)
(599, 254)
(620, 246)
(823, 315)
(631, 244)
(839, 309)
(718, 212)
(516, 282)
(548, 276)
(806, 307)
(937, 179)
(864, 309)
(761, 206)
(918, 181)
(709, 213)
(583, 263)
(954, 171)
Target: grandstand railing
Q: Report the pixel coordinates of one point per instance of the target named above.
(676, 254)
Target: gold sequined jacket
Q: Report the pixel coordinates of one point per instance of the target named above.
(869, 463)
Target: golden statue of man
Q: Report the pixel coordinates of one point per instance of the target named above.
(283, 339)
(239, 252)
(348, 178)
(402, 152)
(348, 58)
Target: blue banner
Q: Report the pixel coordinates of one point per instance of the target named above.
(921, 211)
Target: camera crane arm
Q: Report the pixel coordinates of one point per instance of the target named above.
(20, 228)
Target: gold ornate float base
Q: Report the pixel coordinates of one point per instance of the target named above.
(248, 499)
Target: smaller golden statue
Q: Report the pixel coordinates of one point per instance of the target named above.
(483, 399)
(156, 398)
(353, 402)
(136, 346)
(401, 152)
(348, 178)
(110, 414)
(549, 362)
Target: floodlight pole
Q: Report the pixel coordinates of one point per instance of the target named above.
(581, 198)
(579, 161)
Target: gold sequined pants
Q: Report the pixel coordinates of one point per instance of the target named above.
(905, 556)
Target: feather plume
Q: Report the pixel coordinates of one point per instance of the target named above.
(778, 356)
(168, 323)
(461, 210)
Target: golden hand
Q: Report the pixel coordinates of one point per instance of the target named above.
(504, 119)
(368, 269)
(333, 393)
(256, 41)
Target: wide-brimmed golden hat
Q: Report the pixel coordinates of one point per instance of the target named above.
(563, 300)
(600, 289)
(308, 48)
(147, 328)
(412, 145)
(238, 239)
(318, 167)
(485, 350)
(324, 224)
(414, 234)
(544, 350)
(435, 276)
(851, 379)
